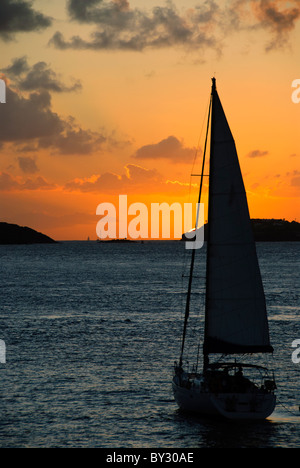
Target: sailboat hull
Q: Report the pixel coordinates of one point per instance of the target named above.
(228, 405)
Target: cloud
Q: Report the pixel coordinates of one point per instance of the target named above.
(118, 26)
(19, 16)
(27, 149)
(18, 66)
(27, 164)
(74, 141)
(169, 148)
(8, 183)
(257, 154)
(30, 120)
(277, 17)
(295, 178)
(38, 77)
(42, 77)
(135, 177)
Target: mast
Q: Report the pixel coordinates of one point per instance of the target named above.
(213, 91)
(187, 307)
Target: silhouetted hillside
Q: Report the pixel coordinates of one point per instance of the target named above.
(14, 234)
(271, 230)
(275, 230)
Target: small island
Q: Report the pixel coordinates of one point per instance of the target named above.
(269, 230)
(14, 234)
(275, 230)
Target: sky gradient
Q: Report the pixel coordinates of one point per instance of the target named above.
(111, 97)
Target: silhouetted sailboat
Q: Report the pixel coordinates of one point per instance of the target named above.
(235, 311)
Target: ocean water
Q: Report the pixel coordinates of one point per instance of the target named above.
(92, 331)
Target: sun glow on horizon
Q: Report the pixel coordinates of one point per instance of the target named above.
(87, 120)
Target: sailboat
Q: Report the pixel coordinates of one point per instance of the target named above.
(235, 315)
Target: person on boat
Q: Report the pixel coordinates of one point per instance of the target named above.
(242, 383)
(225, 380)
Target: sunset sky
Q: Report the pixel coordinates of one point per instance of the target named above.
(106, 98)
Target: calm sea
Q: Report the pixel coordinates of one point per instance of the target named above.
(92, 331)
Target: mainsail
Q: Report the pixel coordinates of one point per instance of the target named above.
(235, 315)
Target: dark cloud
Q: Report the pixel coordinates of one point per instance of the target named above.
(28, 118)
(42, 77)
(38, 77)
(8, 183)
(118, 26)
(18, 66)
(28, 148)
(74, 141)
(19, 16)
(257, 154)
(30, 121)
(279, 17)
(121, 27)
(169, 148)
(27, 164)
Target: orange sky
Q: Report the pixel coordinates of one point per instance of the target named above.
(110, 97)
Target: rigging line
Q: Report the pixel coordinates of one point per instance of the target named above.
(194, 162)
(187, 309)
(287, 409)
(198, 145)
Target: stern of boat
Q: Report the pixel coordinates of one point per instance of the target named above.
(244, 406)
(199, 394)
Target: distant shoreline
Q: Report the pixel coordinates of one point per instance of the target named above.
(270, 230)
(264, 230)
(275, 230)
